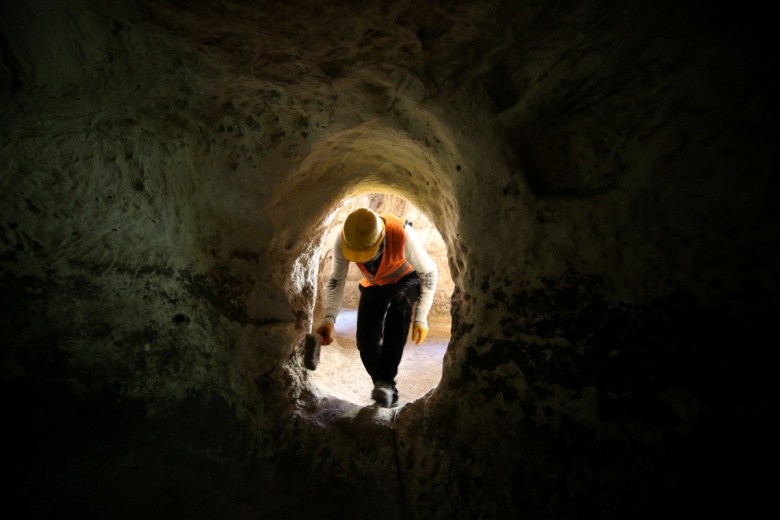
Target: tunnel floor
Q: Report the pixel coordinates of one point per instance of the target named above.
(341, 374)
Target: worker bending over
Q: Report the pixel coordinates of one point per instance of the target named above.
(397, 273)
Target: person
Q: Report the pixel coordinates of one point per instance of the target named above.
(397, 273)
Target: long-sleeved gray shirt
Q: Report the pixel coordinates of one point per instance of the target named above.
(414, 253)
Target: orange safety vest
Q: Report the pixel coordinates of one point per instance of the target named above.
(394, 265)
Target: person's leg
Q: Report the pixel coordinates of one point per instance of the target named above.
(403, 296)
(370, 319)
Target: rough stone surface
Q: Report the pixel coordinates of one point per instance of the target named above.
(603, 175)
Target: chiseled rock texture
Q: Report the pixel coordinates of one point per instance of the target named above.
(603, 174)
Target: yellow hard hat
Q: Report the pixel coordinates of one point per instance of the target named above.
(362, 235)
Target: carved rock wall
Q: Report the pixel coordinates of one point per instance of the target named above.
(601, 173)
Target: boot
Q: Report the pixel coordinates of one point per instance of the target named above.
(384, 394)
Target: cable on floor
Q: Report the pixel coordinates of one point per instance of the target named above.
(398, 466)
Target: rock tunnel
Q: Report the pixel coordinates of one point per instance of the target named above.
(604, 177)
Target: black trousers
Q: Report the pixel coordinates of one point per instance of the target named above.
(383, 320)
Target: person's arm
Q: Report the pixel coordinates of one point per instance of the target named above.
(334, 292)
(416, 254)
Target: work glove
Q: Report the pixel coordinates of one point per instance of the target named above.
(325, 330)
(419, 331)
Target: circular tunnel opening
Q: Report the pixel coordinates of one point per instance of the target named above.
(341, 372)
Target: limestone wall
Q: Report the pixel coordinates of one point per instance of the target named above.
(602, 175)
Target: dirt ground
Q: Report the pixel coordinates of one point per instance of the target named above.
(341, 373)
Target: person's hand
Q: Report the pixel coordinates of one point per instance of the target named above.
(326, 331)
(419, 331)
